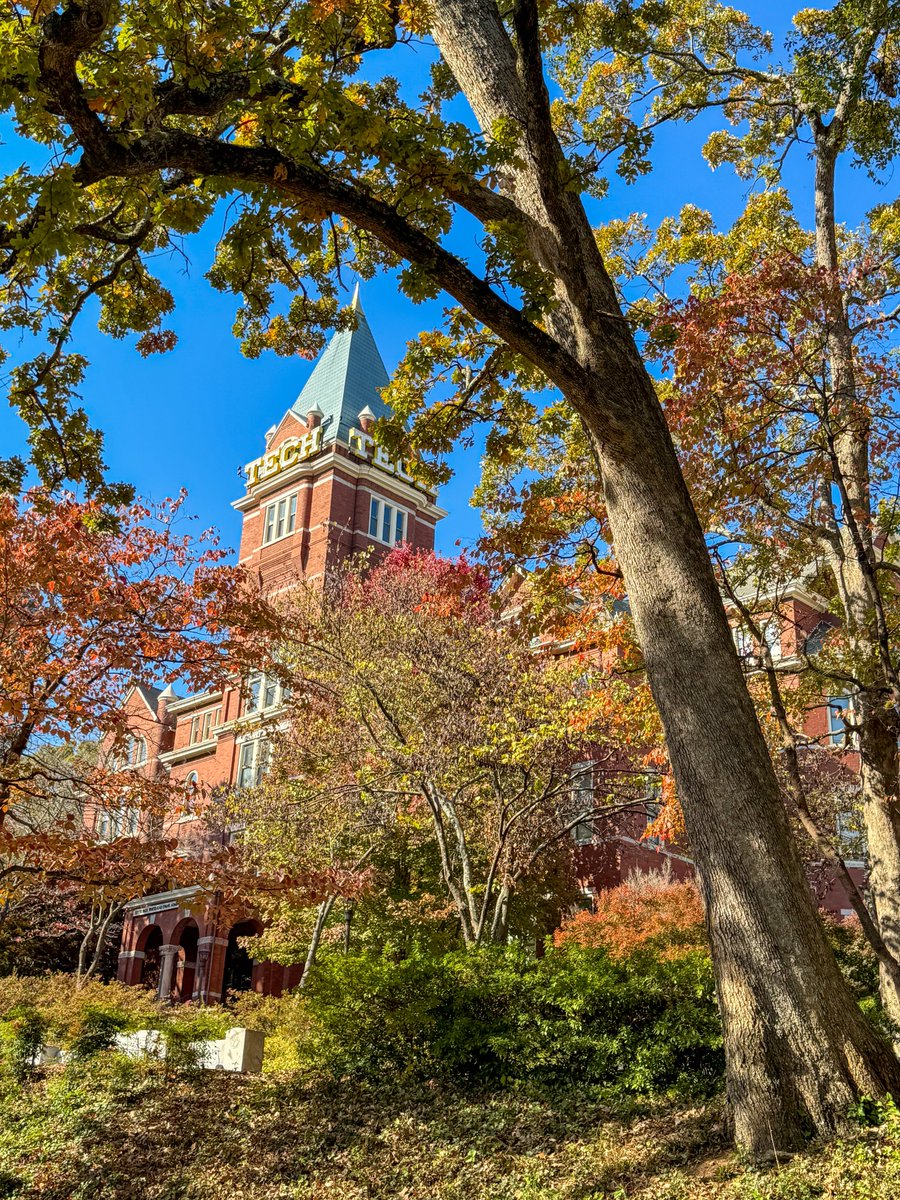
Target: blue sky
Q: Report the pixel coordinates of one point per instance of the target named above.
(193, 417)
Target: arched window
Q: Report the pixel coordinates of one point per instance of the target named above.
(137, 751)
(191, 785)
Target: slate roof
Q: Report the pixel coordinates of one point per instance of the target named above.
(345, 379)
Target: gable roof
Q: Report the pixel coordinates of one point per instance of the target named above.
(149, 695)
(346, 378)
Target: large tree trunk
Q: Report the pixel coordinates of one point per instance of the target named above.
(880, 788)
(798, 1049)
(851, 555)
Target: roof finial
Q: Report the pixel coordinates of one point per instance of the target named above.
(354, 303)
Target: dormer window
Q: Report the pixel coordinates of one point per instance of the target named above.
(280, 518)
(387, 522)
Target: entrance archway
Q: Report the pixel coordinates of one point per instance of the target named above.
(186, 936)
(238, 974)
(149, 943)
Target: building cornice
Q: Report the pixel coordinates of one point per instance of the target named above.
(172, 758)
(199, 699)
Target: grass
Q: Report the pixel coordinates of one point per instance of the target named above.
(113, 1130)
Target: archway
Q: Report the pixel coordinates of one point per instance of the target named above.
(149, 943)
(238, 974)
(186, 936)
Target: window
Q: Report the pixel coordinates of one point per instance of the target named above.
(652, 809)
(132, 754)
(203, 725)
(851, 837)
(191, 787)
(387, 523)
(581, 791)
(772, 634)
(838, 711)
(280, 518)
(112, 823)
(253, 762)
(743, 641)
(265, 692)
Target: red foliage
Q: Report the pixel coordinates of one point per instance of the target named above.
(421, 580)
(89, 603)
(661, 917)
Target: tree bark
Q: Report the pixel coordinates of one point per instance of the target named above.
(851, 556)
(322, 916)
(798, 1049)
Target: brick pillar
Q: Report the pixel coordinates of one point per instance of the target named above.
(131, 967)
(168, 958)
(214, 968)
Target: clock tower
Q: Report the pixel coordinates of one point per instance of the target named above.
(322, 490)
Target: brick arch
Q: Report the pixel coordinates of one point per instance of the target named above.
(148, 944)
(186, 935)
(238, 965)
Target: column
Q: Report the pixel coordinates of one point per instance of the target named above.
(200, 988)
(211, 950)
(168, 958)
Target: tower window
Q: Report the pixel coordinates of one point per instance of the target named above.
(387, 523)
(280, 518)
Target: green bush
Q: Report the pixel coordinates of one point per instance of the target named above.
(22, 1037)
(500, 1015)
(97, 1031)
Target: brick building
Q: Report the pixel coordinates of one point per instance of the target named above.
(321, 491)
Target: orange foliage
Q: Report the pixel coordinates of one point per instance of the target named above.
(660, 916)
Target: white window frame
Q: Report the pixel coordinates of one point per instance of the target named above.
(771, 631)
(851, 836)
(743, 642)
(204, 725)
(190, 782)
(253, 759)
(279, 518)
(266, 693)
(839, 736)
(378, 508)
(122, 821)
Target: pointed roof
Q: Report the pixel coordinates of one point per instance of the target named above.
(345, 380)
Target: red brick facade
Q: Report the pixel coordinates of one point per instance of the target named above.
(320, 492)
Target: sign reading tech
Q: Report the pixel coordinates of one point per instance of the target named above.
(289, 453)
(297, 449)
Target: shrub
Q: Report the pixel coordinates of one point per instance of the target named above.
(499, 1014)
(23, 1037)
(65, 1009)
(97, 1031)
(650, 914)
